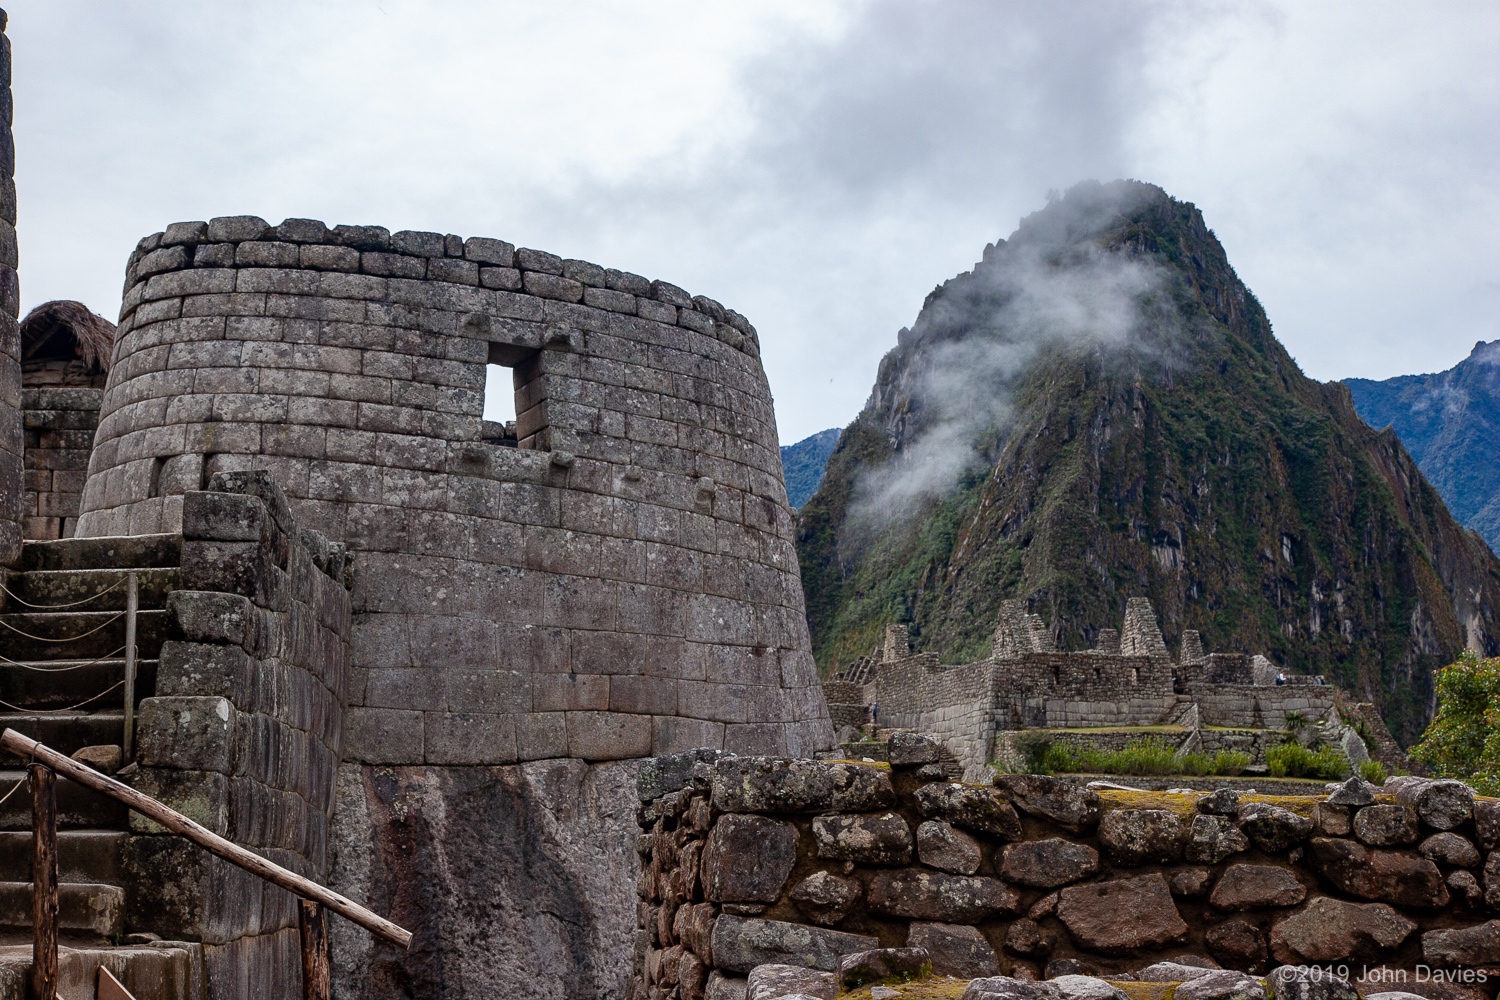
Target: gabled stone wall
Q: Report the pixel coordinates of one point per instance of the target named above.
(1130, 680)
(753, 860)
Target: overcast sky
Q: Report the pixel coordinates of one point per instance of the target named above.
(818, 165)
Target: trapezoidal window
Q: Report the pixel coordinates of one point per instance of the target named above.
(515, 407)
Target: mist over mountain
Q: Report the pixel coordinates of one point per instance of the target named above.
(1099, 410)
(1450, 422)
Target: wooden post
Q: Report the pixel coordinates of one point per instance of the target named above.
(132, 605)
(316, 978)
(43, 882)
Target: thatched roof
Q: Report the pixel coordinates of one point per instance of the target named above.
(66, 330)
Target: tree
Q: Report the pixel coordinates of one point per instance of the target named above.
(1463, 740)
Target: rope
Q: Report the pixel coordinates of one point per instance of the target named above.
(70, 604)
(59, 670)
(70, 708)
(71, 638)
(13, 790)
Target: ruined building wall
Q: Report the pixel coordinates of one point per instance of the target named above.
(1255, 705)
(11, 487)
(64, 355)
(243, 734)
(1086, 689)
(621, 584)
(954, 703)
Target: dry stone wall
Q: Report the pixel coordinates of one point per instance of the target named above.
(244, 733)
(748, 861)
(12, 489)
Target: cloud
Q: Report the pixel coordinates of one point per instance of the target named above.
(1048, 290)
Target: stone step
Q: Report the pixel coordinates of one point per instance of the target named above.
(58, 684)
(89, 908)
(65, 732)
(87, 634)
(53, 587)
(93, 553)
(162, 970)
(82, 855)
(77, 807)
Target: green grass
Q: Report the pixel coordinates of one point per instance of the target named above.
(1292, 760)
(1148, 755)
(1373, 771)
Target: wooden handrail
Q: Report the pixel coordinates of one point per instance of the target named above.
(29, 749)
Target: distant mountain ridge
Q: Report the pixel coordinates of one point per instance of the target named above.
(803, 463)
(1099, 410)
(1450, 422)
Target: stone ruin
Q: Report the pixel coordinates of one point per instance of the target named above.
(1130, 679)
(65, 355)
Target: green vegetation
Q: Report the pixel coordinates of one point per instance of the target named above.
(1293, 760)
(1148, 755)
(1463, 740)
(1373, 771)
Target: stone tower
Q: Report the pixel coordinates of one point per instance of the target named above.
(613, 577)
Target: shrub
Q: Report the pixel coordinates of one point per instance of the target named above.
(1058, 757)
(1463, 740)
(1229, 762)
(1150, 755)
(1292, 760)
(1372, 771)
(1295, 722)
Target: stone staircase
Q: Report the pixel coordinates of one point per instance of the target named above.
(68, 695)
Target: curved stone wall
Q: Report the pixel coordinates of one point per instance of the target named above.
(615, 581)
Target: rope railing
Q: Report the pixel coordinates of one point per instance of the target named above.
(44, 764)
(57, 607)
(38, 668)
(71, 638)
(57, 711)
(130, 613)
